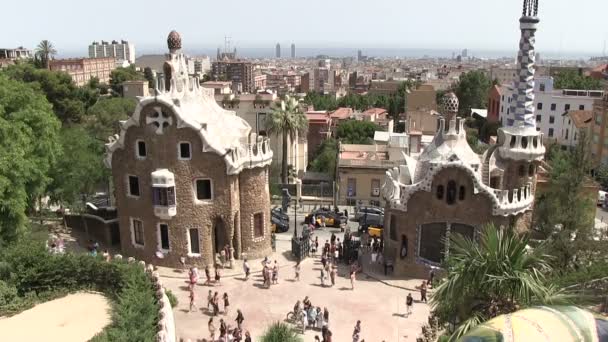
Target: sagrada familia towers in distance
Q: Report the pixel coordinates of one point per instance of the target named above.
(448, 188)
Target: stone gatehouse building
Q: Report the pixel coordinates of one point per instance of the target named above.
(448, 188)
(189, 177)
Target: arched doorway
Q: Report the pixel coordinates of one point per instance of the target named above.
(219, 235)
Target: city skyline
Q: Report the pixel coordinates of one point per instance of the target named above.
(457, 26)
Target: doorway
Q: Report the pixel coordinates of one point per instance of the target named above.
(219, 235)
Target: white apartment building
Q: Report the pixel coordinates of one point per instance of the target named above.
(551, 105)
(122, 51)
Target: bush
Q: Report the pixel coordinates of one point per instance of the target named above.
(37, 276)
(281, 332)
(172, 299)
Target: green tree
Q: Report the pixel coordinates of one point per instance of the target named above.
(287, 120)
(494, 276)
(601, 176)
(325, 158)
(565, 212)
(357, 132)
(571, 79)
(28, 149)
(472, 91)
(120, 75)
(281, 332)
(102, 119)
(45, 51)
(80, 168)
(69, 102)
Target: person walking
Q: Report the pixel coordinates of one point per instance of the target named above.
(422, 288)
(409, 302)
(353, 275)
(357, 331)
(239, 318)
(192, 304)
(216, 304)
(247, 336)
(226, 303)
(297, 270)
(246, 269)
(207, 275)
(322, 276)
(332, 275)
(431, 277)
(193, 277)
(210, 301)
(217, 274)
(275, 273)
(211, 327)
(326, 316)
(223, 329)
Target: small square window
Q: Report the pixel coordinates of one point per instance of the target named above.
(141, 149)
(553, 106)
(164, 197)
(133, 186)
(137, 232)
(203, 189)
(550, 132)
(539, 106)
(185, 151)
(538, 118)
(552, 119)
(581, 107)
(567, 106)
(258, 225)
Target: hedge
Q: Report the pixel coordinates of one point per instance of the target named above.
(30, 275)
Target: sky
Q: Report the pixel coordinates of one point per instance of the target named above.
(71, 25)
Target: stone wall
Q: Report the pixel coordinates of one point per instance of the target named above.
(254, 198)
(424, 207)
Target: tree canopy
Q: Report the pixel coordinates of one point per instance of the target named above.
(69, 102)
(102, 119)
(120, 75)
(357, 132)
(570, 79)
(28, 151)
(472, 91)
(326, 157)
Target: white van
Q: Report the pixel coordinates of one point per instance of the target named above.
(601, 197)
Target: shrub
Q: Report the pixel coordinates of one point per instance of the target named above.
(37, 276)
(281, 332)
(172, 299)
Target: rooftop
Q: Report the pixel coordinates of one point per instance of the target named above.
(581, 118)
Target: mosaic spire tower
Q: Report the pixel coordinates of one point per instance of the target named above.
(523, 141)
(523, 103)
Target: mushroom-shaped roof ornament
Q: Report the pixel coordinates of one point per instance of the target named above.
(449, 104)
(174, 41)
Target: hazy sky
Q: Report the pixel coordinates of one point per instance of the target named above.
(566, 25)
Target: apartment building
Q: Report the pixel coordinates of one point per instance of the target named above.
(239, 72)
(550, 104)
(83, 69)
(599, 134)
(122, 51)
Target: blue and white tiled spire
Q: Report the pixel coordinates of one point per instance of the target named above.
(523, 140)
(523, 105)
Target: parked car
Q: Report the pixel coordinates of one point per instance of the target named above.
(332, 219)
(279, 220)
(361, 211)
(601, 198)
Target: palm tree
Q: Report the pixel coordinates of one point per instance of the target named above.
(280, 332)
(286, 119)
(498, 274)
(45, 51)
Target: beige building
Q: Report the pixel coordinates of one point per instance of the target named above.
(190, 177)
(135, 88)
(254, 109)
(599, 138)
(421, 112)
(83, 69)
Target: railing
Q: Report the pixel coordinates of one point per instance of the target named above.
(381, 164)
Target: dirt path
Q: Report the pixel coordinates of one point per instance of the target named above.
(76, 317)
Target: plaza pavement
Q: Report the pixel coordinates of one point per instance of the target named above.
(379, 305)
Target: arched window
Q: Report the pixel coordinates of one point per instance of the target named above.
(522, 171)
(440, 192)
(461, 193)
(451, 192)
(531, 170)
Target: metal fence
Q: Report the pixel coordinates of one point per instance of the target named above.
(318, 190)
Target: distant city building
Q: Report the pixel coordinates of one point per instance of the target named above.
(239, 72)
(599, 146)
(136, 88)
(15, 54)
(550, 104)
(122, 51)
(494, 104)
(465, 53)
(293, 50)
(575, 123)
(202, 64)
(319, 130)
(278, 51)
(504, 74)
(83, 69)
